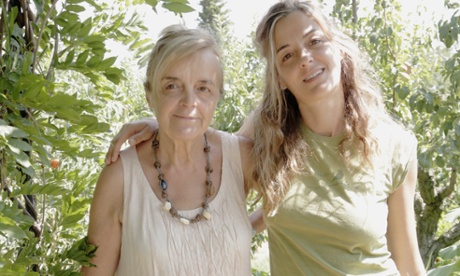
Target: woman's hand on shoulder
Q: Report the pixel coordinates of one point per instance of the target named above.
(135, 132)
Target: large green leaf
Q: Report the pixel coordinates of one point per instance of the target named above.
(20, 144)
(445, 270)
(177, 7)
(10, 131)
(11, 230)
(75, 8)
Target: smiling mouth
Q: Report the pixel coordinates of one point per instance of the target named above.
(313, 75)
(185, 117)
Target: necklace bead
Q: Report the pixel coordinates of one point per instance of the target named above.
(163, 185)
(168, 206)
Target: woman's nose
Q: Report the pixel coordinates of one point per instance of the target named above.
(305, 58)
(189, 97)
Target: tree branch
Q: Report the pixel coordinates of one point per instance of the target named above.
(28, 17)
(42, 28)
(2, 25)
(426, 186)
(35, 228)
(54, 56)
(451, 236)
(355, 12)
(447, 191)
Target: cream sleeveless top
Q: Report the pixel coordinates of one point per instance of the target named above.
(155, 243)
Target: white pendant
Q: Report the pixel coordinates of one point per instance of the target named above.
(167, 206)
(185, 221)
(206, 215)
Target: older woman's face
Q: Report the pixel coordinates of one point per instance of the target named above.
(307, 62)
(188, 97)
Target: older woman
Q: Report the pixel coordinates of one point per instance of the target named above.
(175, 204)
(336, 172)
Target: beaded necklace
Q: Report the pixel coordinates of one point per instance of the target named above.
(167, 206)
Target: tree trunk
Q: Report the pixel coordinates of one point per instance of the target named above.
(429, 209)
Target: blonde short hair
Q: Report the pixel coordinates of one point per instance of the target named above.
(176, 43)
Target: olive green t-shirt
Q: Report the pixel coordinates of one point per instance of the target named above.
(333, 220)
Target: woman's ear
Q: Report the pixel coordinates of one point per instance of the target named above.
(281, 84)
(148, 97)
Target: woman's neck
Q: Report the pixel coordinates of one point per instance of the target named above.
(180, 153)
(325, 118)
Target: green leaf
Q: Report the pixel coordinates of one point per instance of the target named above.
(96, 128)
(88, 119)
(52, 190)
(75, 8)
(19, 156)
(440, 161)
(139, 43)
(81, 59)
(11, 230)
(81, 251)
(70, 17)
(70, 57)
(106, 63)
(70, 220)
(114, 75)
(10, 131)
(178, 7)
(451, 217)
(424, 159)
(27, 62)
(373, 38)
(68, 114)
(96, 45)
(31, 87)
(85, 28)
(93, 62)
(403, 92)
(63, 100)
(94, 38)
(20, 144)
(445, 270)
(152, 3)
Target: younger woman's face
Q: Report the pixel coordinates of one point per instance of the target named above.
(307, 62)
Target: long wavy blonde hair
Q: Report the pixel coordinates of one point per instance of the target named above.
(279, 149)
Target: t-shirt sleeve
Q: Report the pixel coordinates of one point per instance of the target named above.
(405, 150)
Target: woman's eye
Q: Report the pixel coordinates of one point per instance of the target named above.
(315, 41)
(171, 86)
(204, 89)
(287, 56)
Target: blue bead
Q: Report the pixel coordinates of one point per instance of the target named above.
(163, 184)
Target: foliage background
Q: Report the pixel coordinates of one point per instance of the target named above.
(63, 95)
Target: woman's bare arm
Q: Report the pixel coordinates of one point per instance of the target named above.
(401, 235)
(105, 221)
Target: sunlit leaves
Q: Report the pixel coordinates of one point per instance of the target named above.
(11, 220)
(81, 251)
(54, 112)
(420, 79)
(449, 30)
